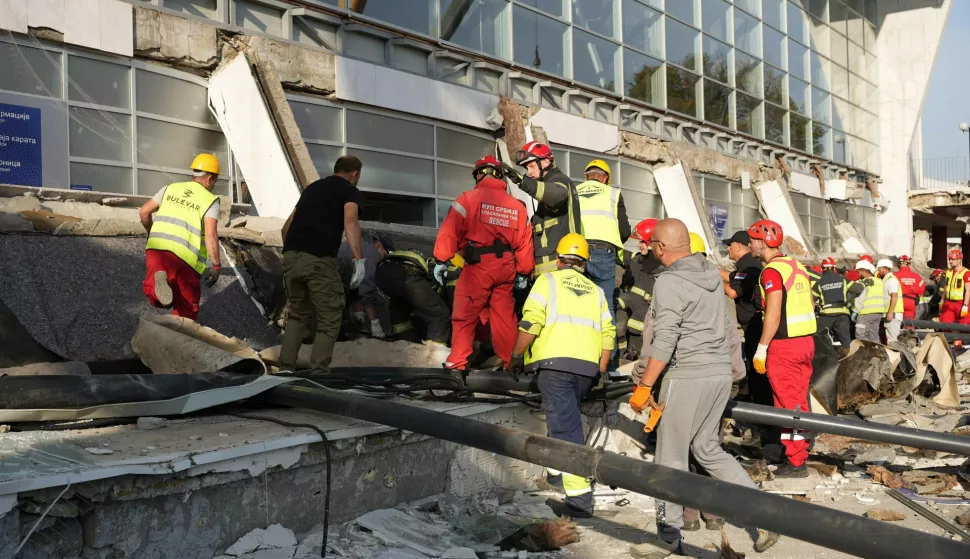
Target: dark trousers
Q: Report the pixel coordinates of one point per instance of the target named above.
(839, 325)
(759, 389)
(561, 394)
(411, 293)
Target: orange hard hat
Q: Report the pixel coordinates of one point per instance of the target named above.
(767, 231)
(644, 230)
(954, 254)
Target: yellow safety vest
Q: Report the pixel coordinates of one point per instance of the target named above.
(411, 257)
(598, 207)
(899, 295)
(954, 284)
(798, 308)
(569, 316)
(178, 226)
(875, 298)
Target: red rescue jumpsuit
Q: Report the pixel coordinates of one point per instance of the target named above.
(913, 287)
(482, 216)
(950, 311)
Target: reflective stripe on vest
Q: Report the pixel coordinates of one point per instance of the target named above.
(875, 298)
(798, 308)
(899, 294)
(641, 292)
(401, 327)
(634, 324)
(411, 257)
(178, 225)
(832, 292)
(598, 208)
(955, 285)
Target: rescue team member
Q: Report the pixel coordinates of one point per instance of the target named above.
(488, 227)
(956, 297)
(566, 337)
(327, 209)
(934, 293)
(870, 302)
(639, 277)
(832, 295)
(690, 320)
(182, 237)
(404, 276)
(558, 212)
(913, 287)
(605, 227)
(853, 275)
(447, 275)
(893, 293)
(787, 348)
(368, 304)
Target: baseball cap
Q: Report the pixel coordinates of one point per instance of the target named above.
(738, 237)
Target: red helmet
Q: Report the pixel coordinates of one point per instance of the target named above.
(936, 273)
(905, 258)
(767, 231)
(828, 262)
(532, 151)
(954, 254)
(644, 230)
(490, 166)
(867, 258)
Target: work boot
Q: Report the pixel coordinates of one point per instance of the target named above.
(543, 484)
(163, 291)
(691, 526)
(789, 471)
(714, 524)
(766, 539)
(657, 549)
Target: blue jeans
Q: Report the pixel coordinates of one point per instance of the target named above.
(601, 268)
(561, 394)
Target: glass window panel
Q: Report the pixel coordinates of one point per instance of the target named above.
(819, 9)
(101, 178)
(554, 7)
(29, 70)
(774, 124)
(775, 85)
(821, 71)
(837, 16)
(175, 145)
(873, 129)
(869, 32)
(858, 92)
(150, 182)
(454, 179)
(481, 26)
(872, 11)
(820, 37)
(539, 41)
(395, 172)
(841, 119)
(325, 31)
(821, 106)
(642, 28)
(393, 208)
(799, 132)
(751, 6)
(749, 115)
(324, 157)
(410, 59)
(822, 141)
(872, 68)
(200, 8)
(462, 147)
(855, 27)
(594, 60)
(682, 91)
(259, 17)
(858, 122)
(578, 162)
(416, 15)
(172, 97)
(857, 59)
(644, 80)
(748, 74)
(684, 10)
(717, 22)
(379, 131)
(774, 13)
(101, 83)
(840, 81)
(797, 60)
(775, 49)
(717, 60)
(717, 104)
(798, 96)
(318, 122)
(797, 24)
(637, 178)
(747, 33)
(840, 50)
(366, 47)
(642, 205)
(596, 15)
(100, 135)
(716, 190)
(681, 44)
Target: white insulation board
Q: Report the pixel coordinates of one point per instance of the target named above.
(779, 210)
(678, 200)
(576, 131)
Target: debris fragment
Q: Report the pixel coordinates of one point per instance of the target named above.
(4, 428)
(99, 450)
(726, 551)
(150, 423)
(885, 515)
(963, 519)
(882, 475)
(398, 527)
(246, 544)
(276, 536)
(758, 470)
(460, 553)
(866, 500)
(824, 470)
(549, 535)
(879, 455)
(196, 437)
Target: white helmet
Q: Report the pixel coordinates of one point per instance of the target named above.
(865, 265)
(885, 263)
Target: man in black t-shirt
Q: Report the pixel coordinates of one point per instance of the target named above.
(311, 238)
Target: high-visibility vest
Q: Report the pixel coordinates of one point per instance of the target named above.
(411, 257)
(831, 289)
(569, 316)
(550, 225)
(954, 284)
(899, 294)
(875, 298)
(598, 207)
(178, 226)
(797, 305)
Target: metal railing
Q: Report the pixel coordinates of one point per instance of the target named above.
(939, 173)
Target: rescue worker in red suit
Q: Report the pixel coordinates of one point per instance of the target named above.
(490, 229)
(956, 296)
(787, 347)
(913, 287)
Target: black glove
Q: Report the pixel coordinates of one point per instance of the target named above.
(211, 276)
(512, 173)
(868, 282)
(516, 366)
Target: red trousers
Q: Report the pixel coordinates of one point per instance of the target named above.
(789, 367)
(484, 286)
(909, 308)
(182, 278)
(951, 313)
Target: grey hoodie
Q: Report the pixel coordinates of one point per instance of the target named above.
(690, 321)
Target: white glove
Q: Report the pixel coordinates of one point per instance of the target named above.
(359, 316)
(439, 273)
(375, 328)
(358, 275)
(760, 359)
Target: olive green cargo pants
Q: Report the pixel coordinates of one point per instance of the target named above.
(313, 285)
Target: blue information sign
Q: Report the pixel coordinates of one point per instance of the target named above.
(21, 157)
(718, 215)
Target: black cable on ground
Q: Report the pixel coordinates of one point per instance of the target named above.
(326, 447)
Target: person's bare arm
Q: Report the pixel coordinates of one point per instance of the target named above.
(286, 226)
(145, 214)
(892, 306)
(966, 294)
(352, 228)
(523, 342)
(212, 240)
(652, 372)
(605, 360)
(772, 316)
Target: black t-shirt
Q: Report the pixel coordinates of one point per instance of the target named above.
(745, 282)
(318, 223)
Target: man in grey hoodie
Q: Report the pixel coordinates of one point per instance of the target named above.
(690, 347)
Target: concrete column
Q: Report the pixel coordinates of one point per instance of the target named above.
(939, 246)
(965, 247)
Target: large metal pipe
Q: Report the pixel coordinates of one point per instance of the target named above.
(829, 528)
(930, 325)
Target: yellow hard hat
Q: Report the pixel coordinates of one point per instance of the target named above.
(601, 165)
(697, 244)
(457, 261)
(206, 162)
(573, 244)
